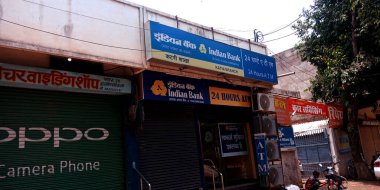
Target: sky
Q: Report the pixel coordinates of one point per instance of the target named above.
(239, 17)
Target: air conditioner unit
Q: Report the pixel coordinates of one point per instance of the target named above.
(275, 175)
(268, 125)
(263, 102)
(273, 150)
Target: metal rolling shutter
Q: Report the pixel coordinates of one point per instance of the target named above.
(223, 114)
(102, 161)
(169, 153)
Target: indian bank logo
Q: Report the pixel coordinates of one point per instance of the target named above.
(158, 88)
(202, 48)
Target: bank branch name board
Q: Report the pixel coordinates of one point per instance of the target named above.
(177, 46)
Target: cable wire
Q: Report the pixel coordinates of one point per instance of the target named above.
(279, 38)
(77, 39)
(125, 25)
(299, 69)
(79, 14)
(284, 61)
(274, 31)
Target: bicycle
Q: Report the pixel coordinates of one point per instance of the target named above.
(334, 185)
(334, 181)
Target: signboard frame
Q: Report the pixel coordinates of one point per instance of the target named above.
(172, 45)
(59, 80)
(297, 106)
(261, 154)
(164, 87)
(286, 138)
(282, 111)
(242, 142)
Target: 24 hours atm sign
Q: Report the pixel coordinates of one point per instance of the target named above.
(229, 97)
(162, 87)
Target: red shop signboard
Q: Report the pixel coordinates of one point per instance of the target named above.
(305, 107)
(335, 113)
(282, 111)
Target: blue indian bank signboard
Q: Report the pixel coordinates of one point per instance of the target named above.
(176, 46)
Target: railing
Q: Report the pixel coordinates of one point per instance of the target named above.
(142, 178)
(212, 167)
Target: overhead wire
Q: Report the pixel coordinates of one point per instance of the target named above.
(281, 28)
(279, 38)
(283, 68)
(137, 27)
(83, 15)
(299, 69)
(77, 39)
(112, 22)
(86, 41)
(274, 31)
(311, 71)
(284, 61)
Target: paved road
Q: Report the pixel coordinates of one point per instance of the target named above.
(364, 185)
(360, 185)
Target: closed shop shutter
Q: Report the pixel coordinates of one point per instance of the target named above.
(77, 140)
(313, 148)
(169, 153)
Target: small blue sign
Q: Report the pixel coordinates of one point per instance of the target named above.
(260, 67)
(286, 137)
(232, 140)
(261, 154)
(180, 47)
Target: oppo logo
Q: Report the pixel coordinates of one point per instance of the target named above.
(23, 138)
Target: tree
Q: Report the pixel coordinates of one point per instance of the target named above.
(342, 39)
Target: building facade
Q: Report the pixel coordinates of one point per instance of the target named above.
(88, 98)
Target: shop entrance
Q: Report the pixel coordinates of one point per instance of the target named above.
(226, 145)
(211, 144)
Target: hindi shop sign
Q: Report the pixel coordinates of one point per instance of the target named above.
(232, 140)
(306, 107)
(261, 154)
(180, 47)
(39, 78)
(335, 113)
(282, 111)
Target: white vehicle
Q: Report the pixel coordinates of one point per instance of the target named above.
(376, 167)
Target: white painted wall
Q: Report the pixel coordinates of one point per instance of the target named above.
(99, 30)
(109, 31)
